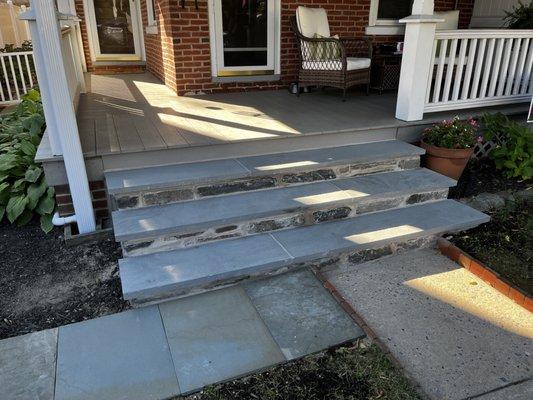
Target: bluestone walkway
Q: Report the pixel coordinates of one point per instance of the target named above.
(164, 350)
(455, 335)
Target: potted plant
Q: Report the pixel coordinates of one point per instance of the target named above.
(449, 145)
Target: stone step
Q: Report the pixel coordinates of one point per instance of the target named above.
(160, 276)
(148, 229)
(174, 183)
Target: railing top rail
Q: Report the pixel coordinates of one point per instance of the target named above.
(16, 53)
(484, 33)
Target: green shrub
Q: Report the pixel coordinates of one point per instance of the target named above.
(520, 17)
(453, 134)
(514, 145)
(23, 189)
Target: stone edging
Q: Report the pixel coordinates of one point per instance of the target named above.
(485, 273)
(369, 332)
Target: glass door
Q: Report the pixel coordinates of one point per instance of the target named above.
(244, 37)
(114, 29)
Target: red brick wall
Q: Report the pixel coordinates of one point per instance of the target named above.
(179, 54)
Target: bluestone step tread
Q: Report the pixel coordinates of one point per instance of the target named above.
(158, 275)
(207, 171)
(200, 214)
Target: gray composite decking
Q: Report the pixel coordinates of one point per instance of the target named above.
(137, 113)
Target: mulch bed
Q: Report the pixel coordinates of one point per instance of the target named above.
(356, 372)
(504, 244)
(481, 176)
(45, 284)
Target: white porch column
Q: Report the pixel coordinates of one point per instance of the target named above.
(51, 75)
(416, 61)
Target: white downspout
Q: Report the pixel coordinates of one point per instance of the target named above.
(60, 221)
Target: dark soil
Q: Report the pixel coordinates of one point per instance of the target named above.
(354, 372)
(482, 176)
(45, 284)
(505, 244)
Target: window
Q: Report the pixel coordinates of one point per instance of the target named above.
(385, 14)
(152, 17)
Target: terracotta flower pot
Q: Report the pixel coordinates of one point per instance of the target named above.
(449, 162)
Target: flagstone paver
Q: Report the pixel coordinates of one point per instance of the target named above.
(216, 336)
(161, 351)
(27, 366)
(121, 357)
(301, 315)
(453, 333)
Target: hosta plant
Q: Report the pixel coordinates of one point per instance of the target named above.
(23, 189)
(514, 145)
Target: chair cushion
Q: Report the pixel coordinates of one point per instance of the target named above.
(312, 21)
(451, 19)
(352, 63)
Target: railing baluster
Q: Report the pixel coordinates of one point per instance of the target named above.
(15, 80)
(520, 68)
(477, 72)
(469, 67)
(496, 68)
(7, 78)
(460, 67)
(21, 72)
(512, 68)
(450, 70)
(505, 67)
(2, 96)
(28, 68)
(528, 69)
(431, 71)
(487, 68)
(440, 69)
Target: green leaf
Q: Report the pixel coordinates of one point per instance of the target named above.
(34, 193)
(4, 193)
(32, 175)
(18, 186)
(8, 161)
(45, 206)
(15, 207)
(28, 148)
(2, 212)
(46, 223)
(33, 95)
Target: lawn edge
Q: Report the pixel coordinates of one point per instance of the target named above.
(485, 273)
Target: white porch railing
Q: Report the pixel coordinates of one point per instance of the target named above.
(474, 68)
(60, 72)
(457, 69)
(17, 76)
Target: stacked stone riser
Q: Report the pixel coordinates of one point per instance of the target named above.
(325, 263)
(148, 198)
(290, 219)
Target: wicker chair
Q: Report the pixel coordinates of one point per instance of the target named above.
(329, 61)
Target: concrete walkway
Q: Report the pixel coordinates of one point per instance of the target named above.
(177, 347)
(454, 334)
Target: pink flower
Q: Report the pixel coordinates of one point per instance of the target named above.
(479, 139)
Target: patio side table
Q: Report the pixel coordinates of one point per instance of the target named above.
(385, 73)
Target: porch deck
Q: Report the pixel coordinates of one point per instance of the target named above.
(137, 113)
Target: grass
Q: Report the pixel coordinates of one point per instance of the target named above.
(356, 372)
(504, 244)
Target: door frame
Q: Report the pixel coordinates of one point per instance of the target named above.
(92, 34)
(217, 50)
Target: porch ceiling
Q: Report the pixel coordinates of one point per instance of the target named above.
(136, 112)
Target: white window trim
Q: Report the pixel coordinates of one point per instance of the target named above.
(151, 28)
(213, 39)
(382, 26)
